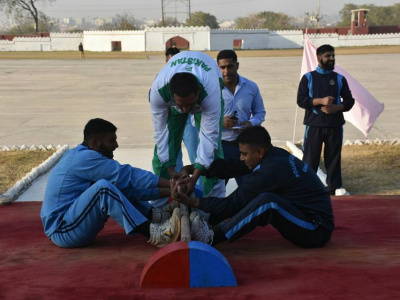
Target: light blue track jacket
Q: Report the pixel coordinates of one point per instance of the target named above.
(78, 169)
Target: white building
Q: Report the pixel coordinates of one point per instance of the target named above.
(67, 21)
(80, 21)
(192, 38)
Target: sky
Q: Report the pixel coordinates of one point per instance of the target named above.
(222, 9)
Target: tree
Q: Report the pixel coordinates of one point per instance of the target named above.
(20, 8)
(252, 21)
(383, 15)
(21, 28)
(345, 14)
(377, 15)
(168, 22)
(124, 21)
(200, 18)
(314, 18)
(265, 19)
(46, 24)
(25, 26)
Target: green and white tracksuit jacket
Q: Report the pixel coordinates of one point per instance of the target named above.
(169, 121)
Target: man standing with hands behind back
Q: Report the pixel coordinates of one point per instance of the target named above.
(325, 95)
(81, 51)
(243, 105)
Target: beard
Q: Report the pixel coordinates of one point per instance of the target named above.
(328, 65)
(105, 151)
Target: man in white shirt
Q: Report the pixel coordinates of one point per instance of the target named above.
(190, 83)
(243, 107)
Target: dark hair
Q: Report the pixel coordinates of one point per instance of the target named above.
(324, 48)
(184, 84)
(227, 54)
(256, 136)
(97, 126)
(171, 51)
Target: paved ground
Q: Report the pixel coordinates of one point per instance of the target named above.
(49, 101)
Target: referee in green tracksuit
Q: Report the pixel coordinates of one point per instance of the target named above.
(190, 83)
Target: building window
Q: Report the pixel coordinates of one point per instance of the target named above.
(238, 44)
(116, 46)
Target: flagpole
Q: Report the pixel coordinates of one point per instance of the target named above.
(297, 107)
(295, 123)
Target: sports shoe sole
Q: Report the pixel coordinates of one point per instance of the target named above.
(176, 215)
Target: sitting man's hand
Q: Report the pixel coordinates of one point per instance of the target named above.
(190, 185)
(182, 188)
(187, 170)
(175, 175)
(179, 194)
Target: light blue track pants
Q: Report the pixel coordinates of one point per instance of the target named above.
(86, 217)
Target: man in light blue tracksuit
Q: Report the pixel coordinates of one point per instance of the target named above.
(88, 186)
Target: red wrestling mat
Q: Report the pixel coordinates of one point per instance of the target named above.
(362, 261)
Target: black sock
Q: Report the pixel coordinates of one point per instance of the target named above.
(149, 216)
(219, 236)
(144, 229)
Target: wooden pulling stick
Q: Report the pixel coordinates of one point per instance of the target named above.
(185, 224)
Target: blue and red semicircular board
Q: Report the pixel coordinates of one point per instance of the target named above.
(187, 264)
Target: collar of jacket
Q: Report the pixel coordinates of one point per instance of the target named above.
(323, 71)
(265, 157)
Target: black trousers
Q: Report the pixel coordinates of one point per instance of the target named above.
(269, 208)
(332, 138)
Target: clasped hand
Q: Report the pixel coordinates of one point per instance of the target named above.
(178, 191)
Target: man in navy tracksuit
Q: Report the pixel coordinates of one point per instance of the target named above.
(325, 95)
(281, 190)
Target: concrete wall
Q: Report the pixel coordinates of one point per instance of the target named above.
(131, 40)
(6, 45)
(65, 41)
(198, 37)
(287, 39)
(325, 38)
(355, 40)
(32, 44)
(55, 42)
(369, 40)
(251, 39)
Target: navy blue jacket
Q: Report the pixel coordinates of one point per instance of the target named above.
(319, 84)
(281, 173)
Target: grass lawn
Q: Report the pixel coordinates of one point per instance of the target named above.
(16, 164)
(366, 170)
(371, 169)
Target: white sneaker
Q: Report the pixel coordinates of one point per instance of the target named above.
(193, 215)
(171, 206)
(162, 234)
(341, 192)
(199, 229)
(205, 216)
(160, 215)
